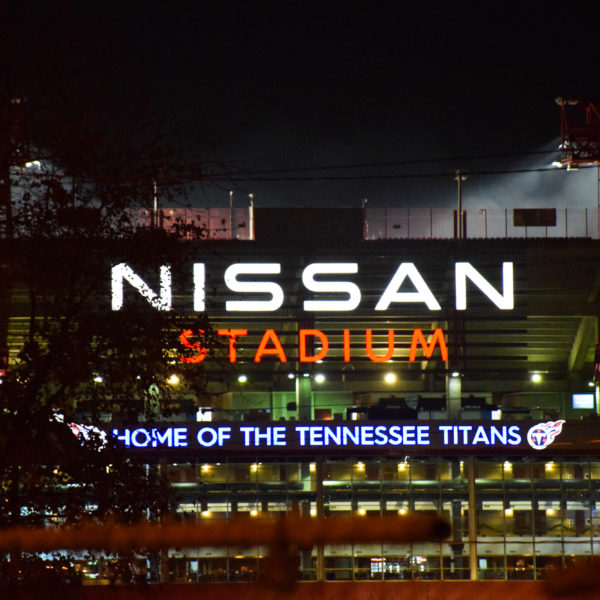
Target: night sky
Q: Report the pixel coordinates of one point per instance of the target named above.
(284, 89)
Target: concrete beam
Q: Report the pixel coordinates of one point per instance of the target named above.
(586, 336)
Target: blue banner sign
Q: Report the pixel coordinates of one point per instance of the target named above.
(364, 437)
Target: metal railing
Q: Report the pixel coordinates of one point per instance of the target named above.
(485, 223)
(200, 223)
(385, 223)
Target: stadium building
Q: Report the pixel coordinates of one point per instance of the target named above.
(376, 362)
(385, 362)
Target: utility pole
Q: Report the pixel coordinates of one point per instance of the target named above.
(231, 233)
(460, 176)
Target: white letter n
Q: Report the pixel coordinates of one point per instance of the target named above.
(504, 301)
(123, 272)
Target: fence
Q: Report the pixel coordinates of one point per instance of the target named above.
(486, 223)
(206, 223)
(391, 223)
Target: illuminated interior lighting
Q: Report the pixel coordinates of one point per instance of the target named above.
(206, 513)
(590, 384)
(173, 379)
(536, 377)
(313, 512)
(205, 468)
(402, 512)
(98, 379)
(254, 513)
(455, 374)
(319, 378)
(508, 466)
(254, 467)
(549, 512)
(291, 376)
(305, 374)
(508, 512)
(242, 379)
(312, 467)
(390, 378)
(362, 511)
(402, 466)
(360, 466)
(549, 466)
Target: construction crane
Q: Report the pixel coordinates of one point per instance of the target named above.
(579, 132)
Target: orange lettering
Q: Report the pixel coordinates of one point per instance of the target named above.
(183, 338)
(277, 349)
(346, 345)
(369, 346)
(232, 333)
(418, 337)
(302, 356)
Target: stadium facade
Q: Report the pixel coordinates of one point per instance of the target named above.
(378, 363)
(372, 363)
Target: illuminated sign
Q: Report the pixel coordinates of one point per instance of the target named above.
(270, 345)
(240, 279)
(585, 401)
(540, 436)
(327, 437)
(85, 433)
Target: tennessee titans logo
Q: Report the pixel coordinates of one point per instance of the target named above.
(86, 432)
(540, 436)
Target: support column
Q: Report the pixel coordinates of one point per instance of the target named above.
(470, 465)
(164, 552)
(304, 398)
(457, 545)
(453, 396)
(319, 492)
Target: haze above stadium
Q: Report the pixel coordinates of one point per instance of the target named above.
(395, 99)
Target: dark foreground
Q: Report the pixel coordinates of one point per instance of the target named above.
(415, 590)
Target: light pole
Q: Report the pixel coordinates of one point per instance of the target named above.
(460, 176)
